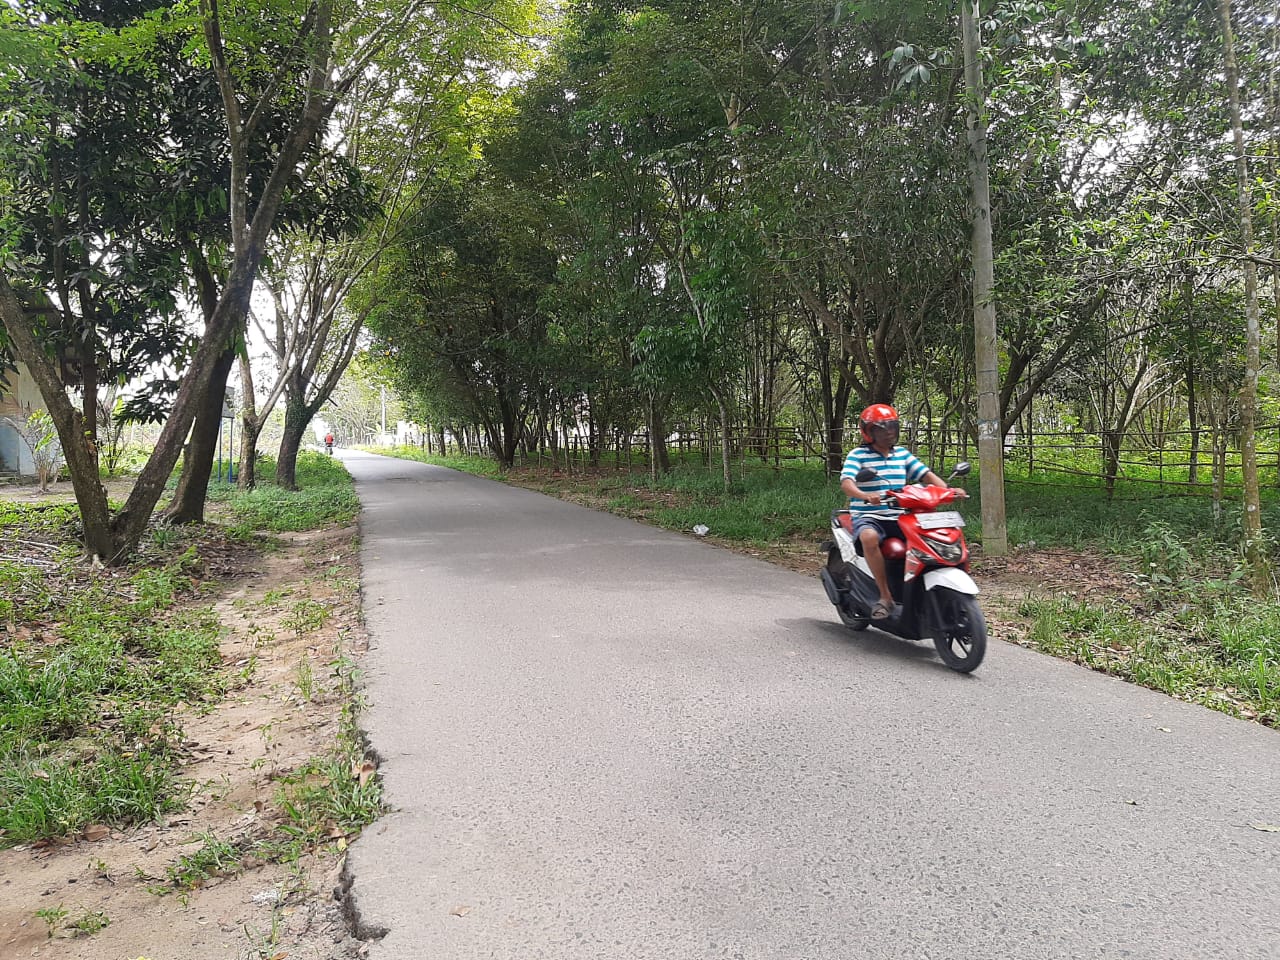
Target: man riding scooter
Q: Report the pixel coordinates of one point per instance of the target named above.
(895, 467)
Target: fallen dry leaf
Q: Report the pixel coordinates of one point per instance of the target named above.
(460, 911)
(364, 772)
(1266, 827)
(96, 831)
(39, 775)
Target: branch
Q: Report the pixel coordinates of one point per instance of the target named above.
(282, 71)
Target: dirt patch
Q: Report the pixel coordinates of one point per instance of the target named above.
(290, 614)
(61, 491)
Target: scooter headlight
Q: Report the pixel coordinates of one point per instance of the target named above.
(951, 552)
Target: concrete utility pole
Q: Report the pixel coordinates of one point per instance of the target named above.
(990, 437)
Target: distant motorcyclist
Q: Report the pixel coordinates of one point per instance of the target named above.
(896, 466)
(328, 443)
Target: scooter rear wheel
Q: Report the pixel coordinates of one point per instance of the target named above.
(850, 615)
(959, 629)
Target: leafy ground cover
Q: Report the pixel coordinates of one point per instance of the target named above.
(180, 769)
(1143, 586)
(325, 495)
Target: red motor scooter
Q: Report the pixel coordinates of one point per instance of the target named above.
(928, 574)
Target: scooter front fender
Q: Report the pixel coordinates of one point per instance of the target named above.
(953, 578)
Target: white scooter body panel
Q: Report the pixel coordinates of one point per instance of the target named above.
(848, 547)
(951, 577)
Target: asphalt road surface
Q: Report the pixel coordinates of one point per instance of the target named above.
(602, 741)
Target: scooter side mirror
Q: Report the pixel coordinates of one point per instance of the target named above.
(865, 475)
(961, 469)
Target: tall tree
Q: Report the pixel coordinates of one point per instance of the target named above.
(316, 53)
(986, 343)
(1255, 549)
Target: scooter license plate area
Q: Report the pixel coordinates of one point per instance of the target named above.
(940, 518)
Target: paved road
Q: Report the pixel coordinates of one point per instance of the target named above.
(605, 742)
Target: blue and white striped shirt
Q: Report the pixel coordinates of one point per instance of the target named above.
(897, 468)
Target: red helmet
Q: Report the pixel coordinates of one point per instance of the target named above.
(878, 416)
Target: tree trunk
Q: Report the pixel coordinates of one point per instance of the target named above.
(249, 433)
(80, 452)
(1193, 415)
(835, 415)
(659, 458)
(509, 442)
(1256, 554)
(1273, 97)
(986, 360)
(724, 440)
(296, 419)
(250, 428)
(1110, 459)
(193, 485)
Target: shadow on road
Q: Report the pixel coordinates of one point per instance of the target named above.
(872, 642)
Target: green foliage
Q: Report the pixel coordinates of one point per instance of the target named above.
(307, 615)
(325, 792)
(215, 858)
(52, 917)
(90, 922)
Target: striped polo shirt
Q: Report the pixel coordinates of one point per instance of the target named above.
(897, 468)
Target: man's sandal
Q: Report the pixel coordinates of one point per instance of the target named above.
(881, 611)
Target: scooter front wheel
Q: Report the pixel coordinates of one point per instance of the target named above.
(959, 629)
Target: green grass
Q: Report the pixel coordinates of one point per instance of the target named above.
(97, 664)
(336, 793)
(215, 858)
(764, 504)
(480, 466)
(1223, 653)
(326, 495)
(87, 694)
(49, 794)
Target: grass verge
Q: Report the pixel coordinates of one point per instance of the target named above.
(325, 495)
(94, 666)
(1223, 653)
(98, 668)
